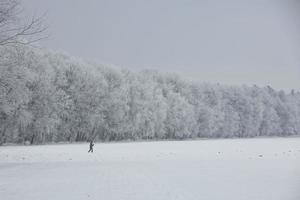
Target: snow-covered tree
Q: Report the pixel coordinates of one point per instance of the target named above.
(51, 97)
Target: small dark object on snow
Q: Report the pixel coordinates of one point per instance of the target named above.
(260, 155)
(91, 147)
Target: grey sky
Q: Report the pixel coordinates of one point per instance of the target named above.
(230, 42)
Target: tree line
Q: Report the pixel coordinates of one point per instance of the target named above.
(52, 97)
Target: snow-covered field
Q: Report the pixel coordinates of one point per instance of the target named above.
(231, 169)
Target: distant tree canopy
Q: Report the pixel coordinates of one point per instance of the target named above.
(15, 28)
(51, 97)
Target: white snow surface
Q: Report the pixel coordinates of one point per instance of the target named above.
(225, 169)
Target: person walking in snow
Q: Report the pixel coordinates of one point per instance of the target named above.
(91, 147)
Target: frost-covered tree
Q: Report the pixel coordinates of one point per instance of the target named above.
(52, 97)
(15, 94)
(180, 122)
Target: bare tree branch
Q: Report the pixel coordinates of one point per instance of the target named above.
(14, 29)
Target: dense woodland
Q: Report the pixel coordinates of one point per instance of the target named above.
(52, 97)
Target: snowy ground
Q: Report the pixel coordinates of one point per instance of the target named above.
(237, 169)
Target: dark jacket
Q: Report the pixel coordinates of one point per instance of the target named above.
(91, 145)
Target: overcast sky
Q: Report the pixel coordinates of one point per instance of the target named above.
(230, 42)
